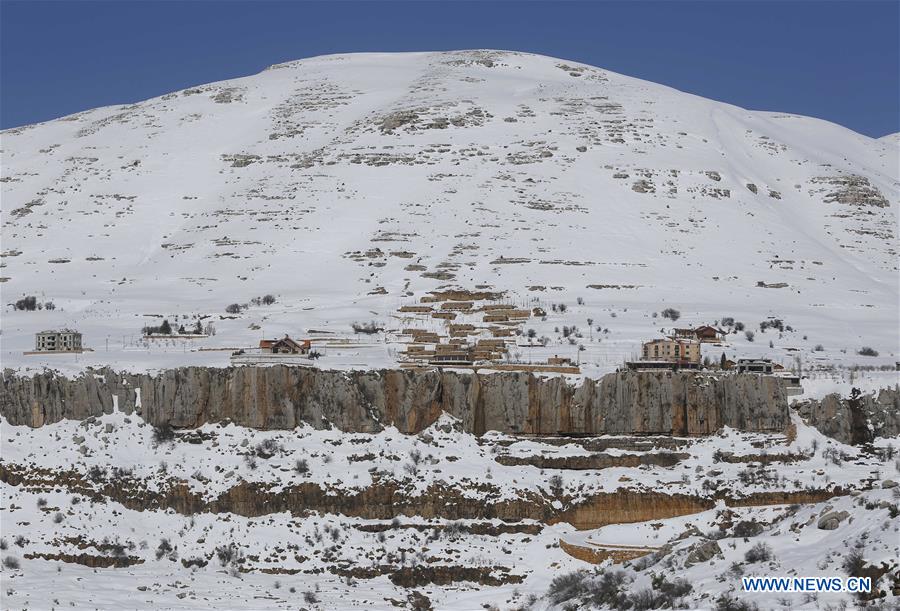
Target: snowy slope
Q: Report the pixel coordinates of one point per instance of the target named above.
(350, 185)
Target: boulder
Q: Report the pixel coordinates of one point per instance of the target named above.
(832, 520)
(703, 551)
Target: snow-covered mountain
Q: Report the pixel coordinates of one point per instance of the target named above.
(350, 185)
(370, 188)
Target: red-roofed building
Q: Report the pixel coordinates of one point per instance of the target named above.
(285, 345)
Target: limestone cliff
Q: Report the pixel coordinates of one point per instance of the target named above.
(282, 397)
(856, 419)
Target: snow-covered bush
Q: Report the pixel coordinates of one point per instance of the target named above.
(758, 553)
(671, 313)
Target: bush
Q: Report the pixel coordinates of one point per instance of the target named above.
(727, 602)
(58, 517)
(310, 598)
(164, 433)
(644, 600)
(727, 321)
(739, 326)
(758, 553)
(566, 587)
(368, 328)
(196, 561)
(556, 484)
(229, 554)
(750, 335)
(607, 590)
(11, 562)
(26, 303)
(671, 313)
(854, 563)
(819, 348)
(268, 299)
(164, 549)
(301, 467)
(775, 323)
(867, 351)
(234, 308)
(267, 448)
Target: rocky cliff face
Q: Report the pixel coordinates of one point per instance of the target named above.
(365, 401)
(856, 419)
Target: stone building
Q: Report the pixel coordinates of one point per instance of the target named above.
(672, 350)
(64, 340)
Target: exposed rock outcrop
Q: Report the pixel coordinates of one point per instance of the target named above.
(384, 500)
(282, 397)
(856, 419)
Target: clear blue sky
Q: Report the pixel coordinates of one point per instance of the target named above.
(830, 59)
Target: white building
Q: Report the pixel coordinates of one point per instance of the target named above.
(64, 340)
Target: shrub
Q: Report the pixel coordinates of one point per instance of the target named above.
(301, 466)
(607, 590)
(229, 554)
(41, 502)
(96, 474)
(644, 600)
(26, 303)
(727, 602)
(196, 561)
(819, 348)
(867, 351)
(854, 563)
(775, 323)
(267, 448)
(369, 327)
(671, 589)
(234, 308)
(3, 545)
(556, 485)
(750, 335)
(164, 433)
(58, 517)
(49, 305)
(727, 321)
(758, 553)
(739, 326)
(268, 299)
(164, 549)
(310, 598)
(11, 562)
(671, 313)
(566, 587)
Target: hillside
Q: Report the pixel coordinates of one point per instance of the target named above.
(349, 186)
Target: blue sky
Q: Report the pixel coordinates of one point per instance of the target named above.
(835, 60)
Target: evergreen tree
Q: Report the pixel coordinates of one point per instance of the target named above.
(165, 328)
(722, 361)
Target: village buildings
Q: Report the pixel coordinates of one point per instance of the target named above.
(285, 345)
(63, 340)
(671, 349)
